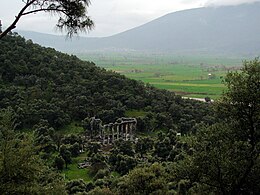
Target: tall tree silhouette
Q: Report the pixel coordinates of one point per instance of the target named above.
(72, 14)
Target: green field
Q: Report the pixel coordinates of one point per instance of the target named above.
(73, 172)
(190, 76)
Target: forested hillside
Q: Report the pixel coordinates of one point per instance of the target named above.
(179, 147)
(41, 83)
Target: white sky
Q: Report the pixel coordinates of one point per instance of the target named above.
(110, 16)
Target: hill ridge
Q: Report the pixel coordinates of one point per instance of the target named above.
(210, 30)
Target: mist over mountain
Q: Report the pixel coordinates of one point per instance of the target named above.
(209, 30)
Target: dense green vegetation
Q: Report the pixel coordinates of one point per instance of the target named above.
(190, 76)
(40, 83)
(22, 171)
(46, 101)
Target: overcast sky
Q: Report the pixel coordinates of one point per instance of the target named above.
(110, 16)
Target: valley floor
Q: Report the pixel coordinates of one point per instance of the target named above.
(189, 76)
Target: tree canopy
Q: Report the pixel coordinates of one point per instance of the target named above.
(51, 92)
(21, 169)
(72, 14)
(226, 155)
(60, 88)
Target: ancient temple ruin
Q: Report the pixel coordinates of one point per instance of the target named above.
(123, 128)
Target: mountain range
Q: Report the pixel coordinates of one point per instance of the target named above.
(208, 30)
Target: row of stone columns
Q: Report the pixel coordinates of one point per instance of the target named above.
(115, 131)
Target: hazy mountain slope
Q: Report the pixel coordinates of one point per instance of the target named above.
(205, 29)
(230, 29)
(61, 43)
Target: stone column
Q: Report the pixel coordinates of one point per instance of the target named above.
(108, 133)
(126, 130)
(131, 131)
(117, 130)
(111, 133)
(104, 134)
(121, 130)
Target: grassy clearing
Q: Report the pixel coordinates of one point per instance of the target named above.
(73, 172)
(191, 76)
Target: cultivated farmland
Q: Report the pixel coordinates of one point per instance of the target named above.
(190, 76)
